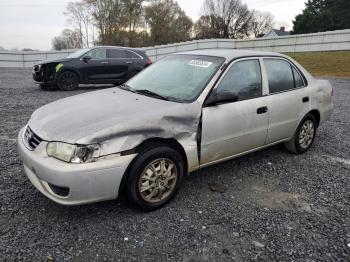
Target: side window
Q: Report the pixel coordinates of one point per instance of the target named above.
(99, 53)
(133, 55)
(117, 53)
(298, 79)
(243, 78)
(280, 75)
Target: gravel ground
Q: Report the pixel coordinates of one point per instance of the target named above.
(275, 205)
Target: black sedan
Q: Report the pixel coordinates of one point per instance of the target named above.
(99, 65)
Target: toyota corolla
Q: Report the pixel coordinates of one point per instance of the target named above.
(187, 111)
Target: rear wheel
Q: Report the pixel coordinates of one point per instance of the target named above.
(304, 136)
(68, 81)
(155, 177)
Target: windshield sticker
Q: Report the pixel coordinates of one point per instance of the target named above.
(200, 63)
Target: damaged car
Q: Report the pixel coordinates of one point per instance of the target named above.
(185, 112)
(99, 65)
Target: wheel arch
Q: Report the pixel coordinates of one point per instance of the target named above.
(150, 143)
(317, 115)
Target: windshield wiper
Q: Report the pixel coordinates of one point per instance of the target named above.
(150, 93)
(125, 87)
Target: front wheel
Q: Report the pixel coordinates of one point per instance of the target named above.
(155, 177)
(68, 81)
(304, 136)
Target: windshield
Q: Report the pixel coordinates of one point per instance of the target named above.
(79, 53)
(178, 77)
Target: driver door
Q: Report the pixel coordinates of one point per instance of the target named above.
(95, 68)
(236, 127)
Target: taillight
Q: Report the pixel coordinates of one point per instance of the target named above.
(149, 61)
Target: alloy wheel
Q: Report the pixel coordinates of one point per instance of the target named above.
(306, 134)
(158, 180)
(68, 81)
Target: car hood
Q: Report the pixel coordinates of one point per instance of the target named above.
(62, 60)
(116, 119)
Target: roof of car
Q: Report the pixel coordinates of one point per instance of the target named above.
(119, 47)
(230, 53)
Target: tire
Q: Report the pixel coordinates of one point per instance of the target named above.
(161, 189)
(68, 81)
(47, 87)
(304, 136)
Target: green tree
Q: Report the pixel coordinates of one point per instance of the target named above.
(109, 19)
(323, 15)
(134, 19)
(168, 22)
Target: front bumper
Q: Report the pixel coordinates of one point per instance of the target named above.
(43, 77)
(87, 183)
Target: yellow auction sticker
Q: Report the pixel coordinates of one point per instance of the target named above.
(58, 67)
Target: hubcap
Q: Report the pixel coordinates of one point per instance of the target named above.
(158, 180)
(306, 135)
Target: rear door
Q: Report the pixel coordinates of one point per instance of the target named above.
(118, 64)
(288, 98)
(236, 127)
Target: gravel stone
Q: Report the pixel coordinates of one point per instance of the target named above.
(298, 206)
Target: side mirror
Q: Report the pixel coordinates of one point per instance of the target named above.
(222, 97)
(86, 58)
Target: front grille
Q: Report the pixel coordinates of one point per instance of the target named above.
(31, 139)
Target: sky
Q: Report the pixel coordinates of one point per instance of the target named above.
(34, 23)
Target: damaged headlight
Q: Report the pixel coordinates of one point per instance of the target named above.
(73, 153)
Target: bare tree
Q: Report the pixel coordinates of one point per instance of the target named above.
(80, 17)
(232, 18)
(208, 26)
(262, 23)
(68, 39)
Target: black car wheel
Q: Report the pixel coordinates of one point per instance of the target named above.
(155, 177)
(68, 81)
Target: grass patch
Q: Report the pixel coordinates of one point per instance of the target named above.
(331, 64)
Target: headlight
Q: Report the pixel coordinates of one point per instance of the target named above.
(73, 153)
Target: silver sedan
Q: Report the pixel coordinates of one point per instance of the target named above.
(187, 111)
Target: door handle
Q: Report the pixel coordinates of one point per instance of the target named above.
(306, 99)
(262, 110)
(129, 62)
(105, 62)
